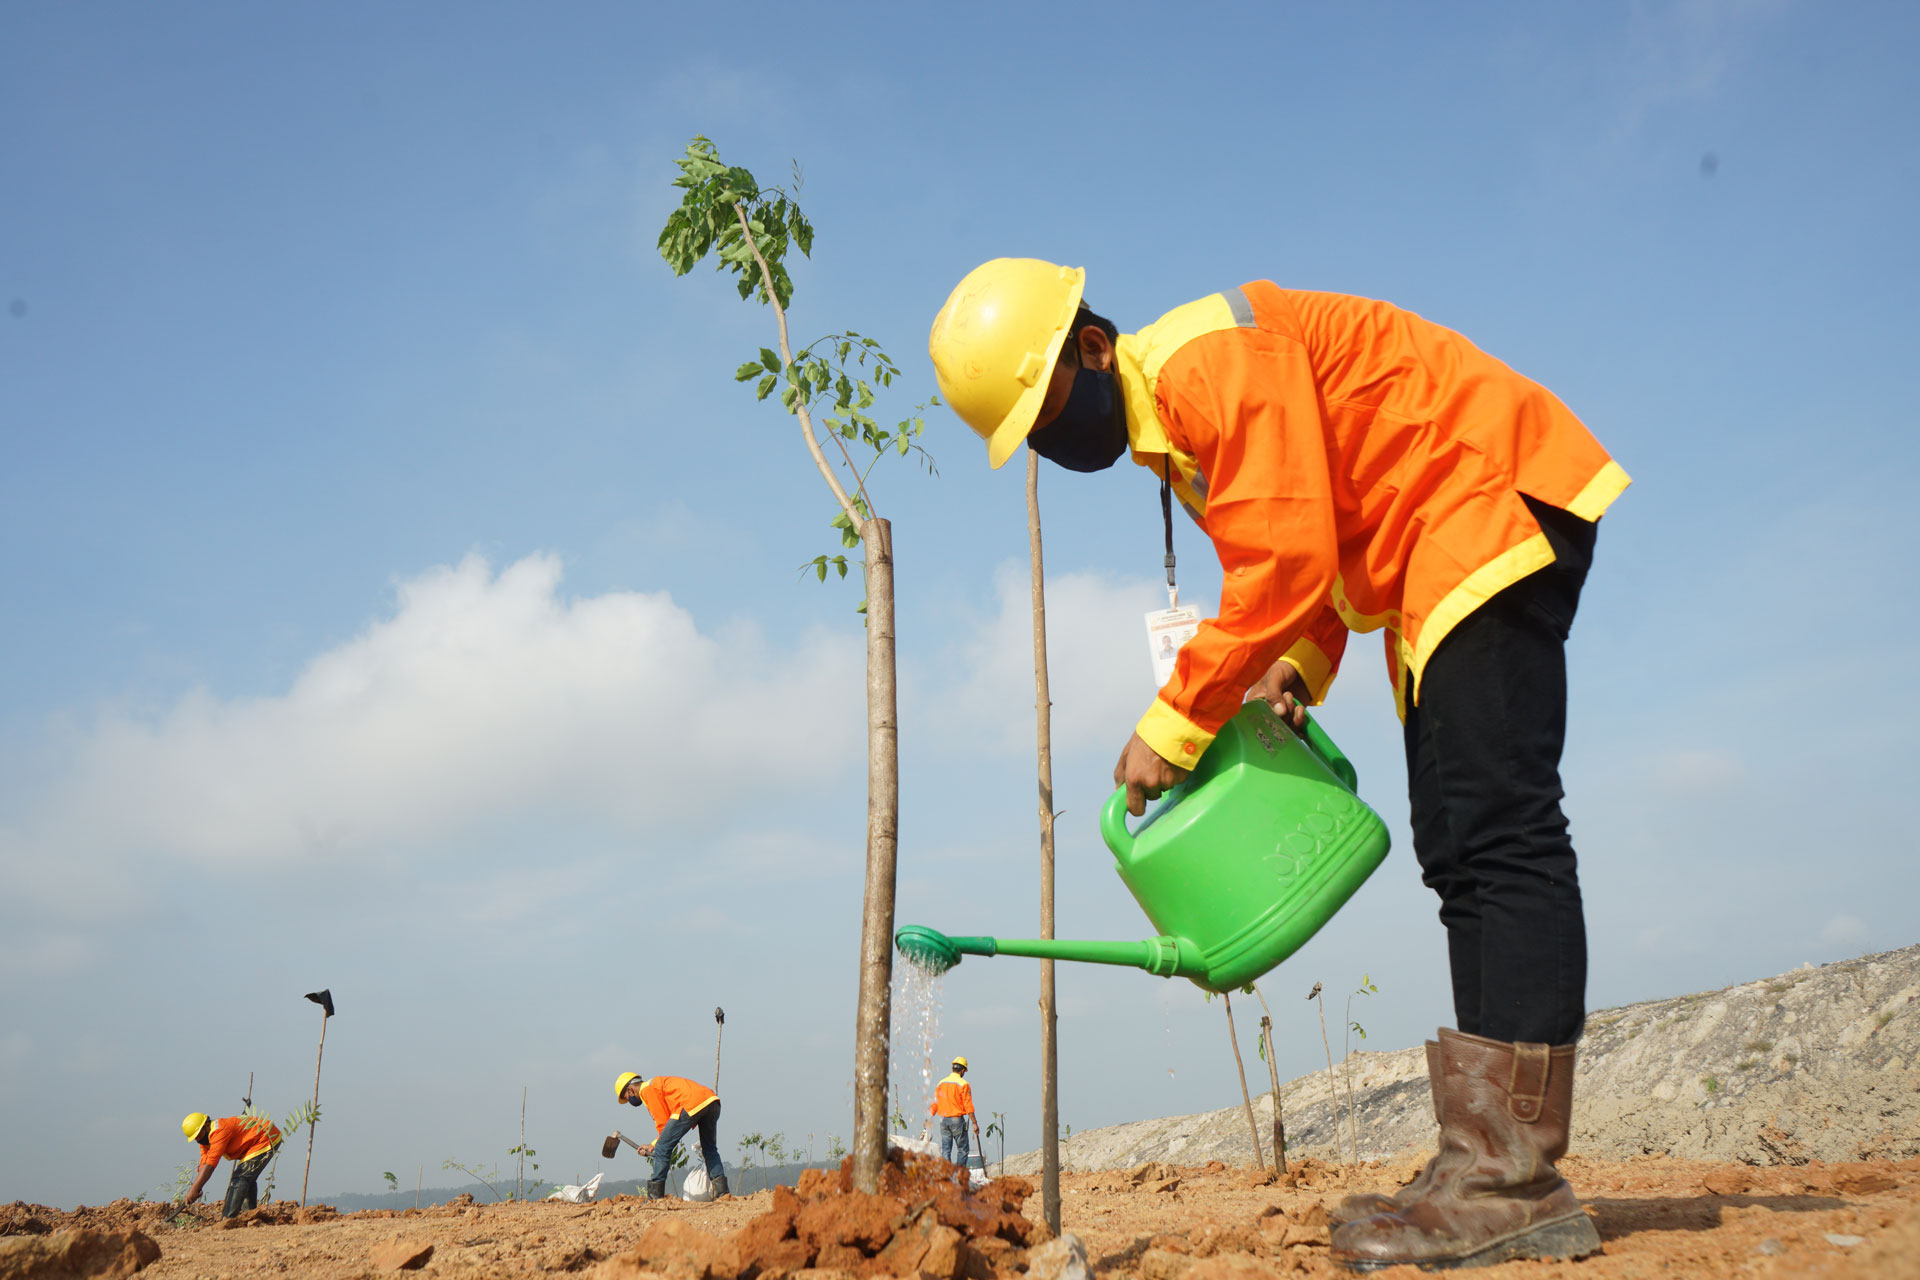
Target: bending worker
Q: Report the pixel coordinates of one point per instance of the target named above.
(1358, 468)
(676, 1106)
(953, 1103)
(248, 1141)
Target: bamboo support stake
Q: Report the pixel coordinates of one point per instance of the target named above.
(719, 1026)
(1043, 731)
(883, 838)
(1333, 1090)
(315, 1122)
(1246, 1098)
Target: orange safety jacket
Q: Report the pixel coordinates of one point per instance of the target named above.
(667, 1096)
(1357, 468)
(239, 1138)
(952, 1097)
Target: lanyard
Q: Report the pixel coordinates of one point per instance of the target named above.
(1166, 515)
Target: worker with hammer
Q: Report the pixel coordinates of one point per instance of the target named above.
(1359, 468)
(677, 1106)
(953, 1105)
(248, 1141)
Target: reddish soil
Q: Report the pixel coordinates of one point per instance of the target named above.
(1657, 1216)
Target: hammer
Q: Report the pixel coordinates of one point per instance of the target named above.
(611, 1146)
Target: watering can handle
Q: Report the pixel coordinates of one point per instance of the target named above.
(1330, 755)
(1113, 824)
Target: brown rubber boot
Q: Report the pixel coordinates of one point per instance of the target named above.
(1494, 1194)
(1368, 1203)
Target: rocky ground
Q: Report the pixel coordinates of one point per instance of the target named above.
(1819, 1063)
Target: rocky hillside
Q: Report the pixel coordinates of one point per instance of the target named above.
(1820, 1063)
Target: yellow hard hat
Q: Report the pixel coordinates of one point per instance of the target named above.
(192, 1124)
(959, 1062)
(995, 342)
(621, 1082)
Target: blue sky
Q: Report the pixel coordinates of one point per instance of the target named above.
(402, 598)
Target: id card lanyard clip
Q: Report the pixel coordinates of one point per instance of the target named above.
(1166, 516)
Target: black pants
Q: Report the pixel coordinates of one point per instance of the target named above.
(1483, 775)
(243, 1187)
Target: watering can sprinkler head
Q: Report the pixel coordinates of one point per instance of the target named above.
(927, 949)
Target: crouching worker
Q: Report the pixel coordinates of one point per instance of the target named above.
(248, 1141)
(676, 1106)
(953, 1104)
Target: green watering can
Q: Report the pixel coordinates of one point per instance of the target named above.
(1237, 867)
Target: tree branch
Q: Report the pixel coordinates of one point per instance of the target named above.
(786, 356)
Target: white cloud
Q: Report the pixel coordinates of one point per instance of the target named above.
(1099, 673)
(1696, 772)
(1844, 931)
(482, 697)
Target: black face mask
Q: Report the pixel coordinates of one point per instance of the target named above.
(1091, 432)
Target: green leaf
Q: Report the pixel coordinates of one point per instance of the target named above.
(841, 562)
(765, 388)
(769, 360)
(746, 371)
(823, 568)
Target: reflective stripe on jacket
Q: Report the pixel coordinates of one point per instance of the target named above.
(952, 1097)
(1357, 468)
(667, 1096)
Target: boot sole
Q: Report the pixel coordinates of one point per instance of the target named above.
(1563, 1240)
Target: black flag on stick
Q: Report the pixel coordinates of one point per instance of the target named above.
(323, 998)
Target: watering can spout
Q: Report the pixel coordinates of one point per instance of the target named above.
(1164, 957)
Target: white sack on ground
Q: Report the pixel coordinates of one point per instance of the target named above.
(578, 1195)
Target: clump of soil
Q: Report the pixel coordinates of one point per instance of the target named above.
(150, 1216)
(922, 1220)
(23, 1219)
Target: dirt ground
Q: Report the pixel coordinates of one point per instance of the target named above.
(1657, 1217)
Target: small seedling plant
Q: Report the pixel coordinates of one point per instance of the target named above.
(1366, 988)
(998, 1127)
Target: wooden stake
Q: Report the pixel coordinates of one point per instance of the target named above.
(1043, 734)
(314, 1123)
(1245, 1097)
(1273, 1074)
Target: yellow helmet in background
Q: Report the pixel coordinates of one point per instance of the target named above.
(621, 1082)
(192, 1124)
(995, 342)
(960, 1062)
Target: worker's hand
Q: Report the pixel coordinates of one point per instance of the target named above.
(1285, 690)
(646, 1150)
(1145, 774)
(193, 1193)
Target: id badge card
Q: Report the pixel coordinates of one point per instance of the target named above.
(1167, 630)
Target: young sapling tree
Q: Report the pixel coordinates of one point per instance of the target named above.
(749, 228)
(1273, 1075)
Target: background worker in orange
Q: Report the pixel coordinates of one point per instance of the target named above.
(1359, 468)
(248, 1141)
(676, 1106)
(953, 1104)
